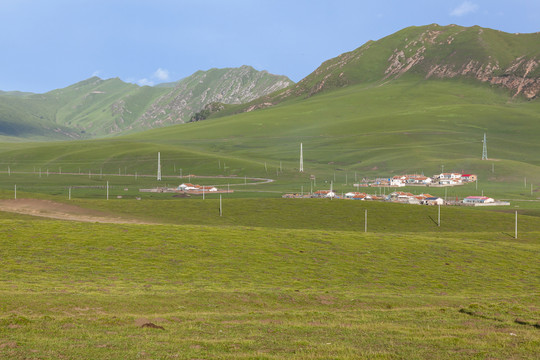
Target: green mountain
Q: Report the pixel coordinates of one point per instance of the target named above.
(97, 108)
(190, 95)
(508, 61)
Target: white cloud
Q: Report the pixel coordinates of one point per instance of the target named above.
(161, 74)
(158, 76)
(465, 8)
(145, 82)
(96, 73)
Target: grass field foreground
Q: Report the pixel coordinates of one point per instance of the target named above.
(83, 290)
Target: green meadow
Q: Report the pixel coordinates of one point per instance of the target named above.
(270, 279)
(283, 278)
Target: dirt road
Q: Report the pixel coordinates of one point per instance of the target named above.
(56, 210)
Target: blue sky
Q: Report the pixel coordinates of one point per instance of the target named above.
(55, 43)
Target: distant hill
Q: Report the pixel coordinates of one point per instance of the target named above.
(508, 61)
(227, 86)
(97, 108)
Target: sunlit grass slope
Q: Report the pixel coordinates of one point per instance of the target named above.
(83, 291)
(404, 127)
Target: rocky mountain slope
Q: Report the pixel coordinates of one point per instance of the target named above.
(97, 108)
(227, 86)
(508, 61)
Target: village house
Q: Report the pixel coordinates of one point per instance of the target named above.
(468, 177)
(448, 179)
(187, 187)
(478, 200)
(324, 194)
(404, 180)
(357, 196)
(400, 196)
(398, 181)
(419, 179)
(192, 187)
(448, 176)
(432, 200)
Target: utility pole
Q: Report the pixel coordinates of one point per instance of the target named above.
(515, 236)
(107, 190)
(365, 221)
(159, 166)
(301, 158)
(15, 191)
(220, 208)
(484, 148)
(439, 217)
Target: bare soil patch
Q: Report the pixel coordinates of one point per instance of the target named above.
(61, 211)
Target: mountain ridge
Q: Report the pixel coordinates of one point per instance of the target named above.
(97, 107)
(493, 57)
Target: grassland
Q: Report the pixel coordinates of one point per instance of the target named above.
(425, 127)
(276, 278)
(263, 283)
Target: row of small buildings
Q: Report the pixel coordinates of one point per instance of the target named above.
(187, 187)
(443, 179)
(401, 197)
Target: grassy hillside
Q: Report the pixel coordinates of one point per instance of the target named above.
(84, 290)
(504, 60)
(405, 127)
(97, 108)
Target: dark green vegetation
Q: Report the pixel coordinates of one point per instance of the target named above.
(98, 108)
(406, 289)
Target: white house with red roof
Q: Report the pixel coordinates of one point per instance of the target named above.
(192, 187)
(478, 200)
(469, 177)
(357, 196)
